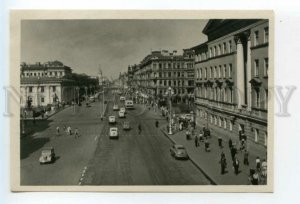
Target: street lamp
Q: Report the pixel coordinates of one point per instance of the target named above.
(169, 93)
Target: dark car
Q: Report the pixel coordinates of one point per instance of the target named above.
(179, 152)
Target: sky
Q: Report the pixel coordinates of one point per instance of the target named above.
(112, 45)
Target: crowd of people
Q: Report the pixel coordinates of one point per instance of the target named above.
(68, 131)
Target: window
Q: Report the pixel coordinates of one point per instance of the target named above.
(42, 89)
(219, 50)
(215, 51)
(265, 139)
(266, 34)
(210, 52)
(216, 120)
(224, 71)
(205, 73)
(231, 95)
(159, 65)
(257, 101)
(30, 89)
(256, 68)
(266, 66)
(266, 99)
(230, 46)
(54, 88)
(42, 99)
(220, 71)
(165, 83)
(211, 73)
(211, 119)
(220, 121)
(225, 123)
(224, 48)
(230, 125)
(256, 37)
(230, 71)
(169, 83)
(200, 74)
(256, 135)
(199, 57)
(215, 72)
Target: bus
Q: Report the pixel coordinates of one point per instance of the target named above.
(129, 104)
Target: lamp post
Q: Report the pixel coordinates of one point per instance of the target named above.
(170, 92)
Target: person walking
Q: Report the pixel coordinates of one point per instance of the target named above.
(156, 124)
(76, 133)
(233, 152)
(69, 131)
(255, 178)
(246, 158)
(264, 168)
(140, 128)
(206, 144)
(230, 143)
(258, 164)
(220, 142)
(196, 141)
(236, 165)
(223, 163)
(57, 130)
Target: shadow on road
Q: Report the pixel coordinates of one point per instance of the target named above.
(29, 143)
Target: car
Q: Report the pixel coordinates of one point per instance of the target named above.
(115, 107)
(113, 133)
(121, 114)
(47, 155)
(123, 109)
(112, 119)
(126, 125)
(122, 98)
(179, 152)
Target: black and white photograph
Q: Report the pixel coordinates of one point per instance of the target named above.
(128, 102)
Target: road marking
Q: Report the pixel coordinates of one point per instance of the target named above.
(82, 175)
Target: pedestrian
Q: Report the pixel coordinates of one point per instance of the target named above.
(187, 134)
(258, 164)
(140, 128)
(246, 156)
(220, 142)
(236, 165)
(230, 143)
(156, 124)
(69, 131)
(196, 141)
(255, 178)
(206, 144)
(242, 146)
(233, 153)
(57, 130)
(223, 163)
(76, 133)
(264, 168)
(201, 138)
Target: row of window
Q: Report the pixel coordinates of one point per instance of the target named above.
(44, 74)
(173, 65)
(220, 71)
(227, 124)
(42, 88)
(265, 37)
(176, 91)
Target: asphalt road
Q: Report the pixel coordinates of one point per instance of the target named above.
(72, 154)
(138, 159)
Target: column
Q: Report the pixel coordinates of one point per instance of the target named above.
(240, 72)
(249, 94)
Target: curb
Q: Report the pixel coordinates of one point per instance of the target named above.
(193, 161)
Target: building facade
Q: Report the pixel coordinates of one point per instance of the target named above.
(231, 78)
(163, 69)
(43, 84)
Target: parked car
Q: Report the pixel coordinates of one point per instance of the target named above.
(179, 152)
(112, 119)
(115, 107)
(113, 133)
(122, 98)
(126, 125)
(47, 155)
(121, 114)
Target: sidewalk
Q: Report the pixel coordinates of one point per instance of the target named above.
(208, 162)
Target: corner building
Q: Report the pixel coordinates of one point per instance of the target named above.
(231, 78)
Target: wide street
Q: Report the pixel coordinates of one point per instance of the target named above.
(138, 159)
(72, 154)
(94, 159)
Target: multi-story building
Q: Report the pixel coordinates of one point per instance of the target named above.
(43, 84)
(231, 78)
(163, 69)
